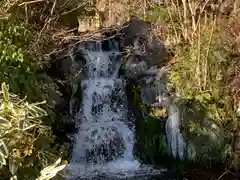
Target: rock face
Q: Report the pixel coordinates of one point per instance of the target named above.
(140, 36)
(144, 59)
(146, 52)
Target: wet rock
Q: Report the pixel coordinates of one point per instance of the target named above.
(145, 45)
(145, 57)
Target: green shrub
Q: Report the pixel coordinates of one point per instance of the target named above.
(21, 130)
(20, 66)
(201, 73)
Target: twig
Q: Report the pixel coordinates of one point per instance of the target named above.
(74, 9)
(198, 57)
(26, 12)
(172, 23)
(206, 57)
(31, 2)
(223, 174)
(85, 37)
(201, 11)
(65, 3)
(53, 7)
(48, 21)
(40, 33)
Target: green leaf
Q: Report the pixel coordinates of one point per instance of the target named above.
(3, 149)
(207, 96)
(4, 123)
(49, 168)
(5, 92)
(51, 171)
(2, 159)
(28, 127)
(36, 111)
(13, 167)
(203, 97)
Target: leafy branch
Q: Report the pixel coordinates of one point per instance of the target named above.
(20, 127)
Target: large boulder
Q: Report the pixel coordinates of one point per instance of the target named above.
(145, 52)
(140, 35)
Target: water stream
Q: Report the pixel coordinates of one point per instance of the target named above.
(105, 140)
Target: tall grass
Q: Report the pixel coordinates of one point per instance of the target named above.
(205, 35)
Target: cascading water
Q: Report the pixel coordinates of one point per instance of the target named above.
(174, 136)
(105, 140)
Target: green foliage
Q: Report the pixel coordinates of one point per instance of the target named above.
(203, 80)
(151, 141)
(14, 57)
(202, 130)
(19, 65)
(13, 39)
(22, 58)
(200, 78)
(21, 127)
(200, 74)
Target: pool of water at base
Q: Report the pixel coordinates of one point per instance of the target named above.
(165, 175)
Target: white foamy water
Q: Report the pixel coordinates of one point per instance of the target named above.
(105, 140)
(174, 136)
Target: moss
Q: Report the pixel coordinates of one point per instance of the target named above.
(151, 141)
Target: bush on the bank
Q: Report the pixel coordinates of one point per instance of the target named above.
(204, 74)
(204, 68)
(19, 66)
(23, 136)
(16, 64)
(21, 60)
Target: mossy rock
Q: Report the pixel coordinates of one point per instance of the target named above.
(151, 140)
(202, 136)
(206, 135)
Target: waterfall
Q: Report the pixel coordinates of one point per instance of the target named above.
(105, 140)
(174, 136)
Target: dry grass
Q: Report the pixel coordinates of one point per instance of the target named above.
(206, 37)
